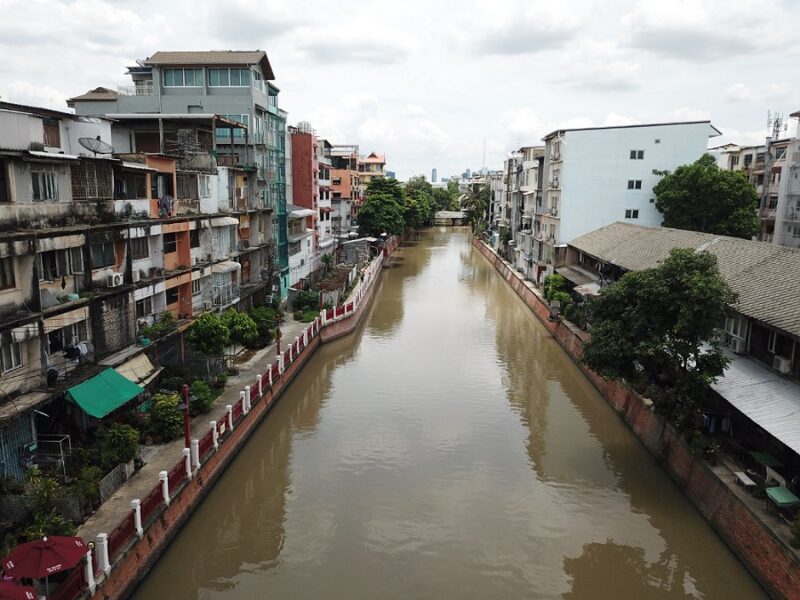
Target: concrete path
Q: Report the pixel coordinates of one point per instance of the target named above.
(163, 457)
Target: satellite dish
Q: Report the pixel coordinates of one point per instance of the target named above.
(96, 145)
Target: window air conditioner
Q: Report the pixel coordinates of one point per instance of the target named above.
(136, 275)
(115, 280)
(782, 364)
(738, 345)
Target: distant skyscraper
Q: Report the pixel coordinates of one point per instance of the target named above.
(433, 175)
(390, 175)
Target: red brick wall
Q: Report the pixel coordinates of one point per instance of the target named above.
(775, 565)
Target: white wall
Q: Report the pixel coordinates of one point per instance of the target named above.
(80, 127)
(596, 168)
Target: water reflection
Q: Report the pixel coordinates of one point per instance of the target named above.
(449, 449)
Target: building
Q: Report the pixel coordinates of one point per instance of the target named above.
(234, 84)
(433, 175)
(595, 176)
(371, 167)
(528, 209)
(763, 333)
(346, 187)
(326, 243)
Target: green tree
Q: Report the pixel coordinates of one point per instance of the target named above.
(455, 194)
(441, 199)
(703, 197)
(418, 203)
(658, 327)
(241, 327)
(166, 419)
(475, 204)
(118, 444)
(381, 212)
(209, 334)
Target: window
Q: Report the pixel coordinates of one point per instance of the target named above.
(771, 341)
(205, 186)
(773, 202)
(736, 326)
(144, 307)
(780, 153)
(187, 186)
(103, 255)
(748, 160)
(59, 339)
(55, 264)
(172, 295)
(637, 154)
(796, 230)
(170, 243)
(229, 77)
(45, 187)
(7, 273)
(128, 186)
(11, 355)
(194, 238)
(52, 133)
(733, 161)
(658, 140)
(195, 287)
(140, 248)
(222, 132)
(634, 184)
(5, 195)
(183, 77)
(632, 213)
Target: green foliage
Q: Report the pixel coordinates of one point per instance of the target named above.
(118, 444)
(703, 197)
(166, 420)
(10, 486)
(241, 327)
(264, 318)
(475, 204)
(202, 396)
(87, 486)
(306, 300)
(658, 327)
(327, 260)
(308, 316)
(209, 334)
(418, 204)
(441, 199)
(552, 284)
(48, 524)
(44, 491)
(164, 325)
(380, 213)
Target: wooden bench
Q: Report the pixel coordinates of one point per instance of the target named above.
(744, 480)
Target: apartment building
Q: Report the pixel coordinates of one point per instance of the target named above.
(345, 188)
(774, 170)
(596, 176)
(371, 167)
(237, 86)
(528, 212)
(325, 238)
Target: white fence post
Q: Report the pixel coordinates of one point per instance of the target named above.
(101, 543)
(164, 477)
(195, 455)
(214, 435)
(229, 409)
(280, 363)
(136, 505)
(305, 337)
(259, 383)
(187, 462)
(243, 398)
(89, 572)
(269, 374)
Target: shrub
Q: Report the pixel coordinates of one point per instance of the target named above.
(553, 284)
(306, 300)
(87, 486)
(307, 316)
(44, 491)
(209, 334)
(202, 396)
(165, 323)
(119, 444)
(241, 328)
(264, 318)
(166, 420)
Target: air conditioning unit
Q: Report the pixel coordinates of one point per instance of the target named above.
(136, 275)
(115, 280)
(782, 364)
(738, 345)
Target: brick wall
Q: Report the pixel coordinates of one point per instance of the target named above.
(774, 564)
(113, 322)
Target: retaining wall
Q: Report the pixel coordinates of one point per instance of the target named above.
(768, 558)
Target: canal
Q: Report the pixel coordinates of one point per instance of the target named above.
(448, 449)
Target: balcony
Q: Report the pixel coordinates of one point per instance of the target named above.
(145, 88)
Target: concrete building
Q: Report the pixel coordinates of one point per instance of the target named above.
(234, 84)
(326, 244)
(528, 214)
(346, 187)
(371, 167)
(595, 176)
(433, 175)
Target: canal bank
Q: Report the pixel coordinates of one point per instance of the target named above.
(710, 488)
(124, 556)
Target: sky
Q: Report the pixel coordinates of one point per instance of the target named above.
(433, 84)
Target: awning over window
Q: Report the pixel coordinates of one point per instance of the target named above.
(103, 393)
(577, 275)
(139, 370)
(224, 221)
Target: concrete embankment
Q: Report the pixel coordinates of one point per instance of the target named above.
(766, 555)
(133, 556)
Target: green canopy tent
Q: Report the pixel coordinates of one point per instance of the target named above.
(104, 393)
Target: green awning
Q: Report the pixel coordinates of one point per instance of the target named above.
(103, 393)
(782, 497)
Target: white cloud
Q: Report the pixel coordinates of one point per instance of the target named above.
(614, 120)
(738, 92)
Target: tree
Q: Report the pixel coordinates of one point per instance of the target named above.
(209, 334)
(474, 204)
(242, 328)
(658, 327)
(703, 197)
(418, 202)
(382, 211)
(441, 199)
(166, 419)
(118, 444)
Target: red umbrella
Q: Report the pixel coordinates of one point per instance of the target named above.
(12, 591)
(44, 557)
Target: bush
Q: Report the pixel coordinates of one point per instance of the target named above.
(307, 316)
(305, 301)
(44, 491)
(166, 420)
(553, 284)
(202, 397)
(264, 318)
(165, 323)
(118, 444)
(209, 334)
(87, 486)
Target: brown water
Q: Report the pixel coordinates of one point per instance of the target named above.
(448, 449)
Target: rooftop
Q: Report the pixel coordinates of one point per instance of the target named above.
(98, 94)
(764, 276)
(213, 57)
(715, 131)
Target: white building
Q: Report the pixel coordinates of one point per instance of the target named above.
(325, 236)
(595, 176)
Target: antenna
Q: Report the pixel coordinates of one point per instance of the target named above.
(96, 145)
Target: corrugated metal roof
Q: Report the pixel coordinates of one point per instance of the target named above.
(214, 57)
(766, 277)
(771, 401)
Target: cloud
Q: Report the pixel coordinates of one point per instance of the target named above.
(249, 24)
(513, 30)
(331, 51)
(23, 92)
(614, 120)
(413, 110)
(685, 113)
(738, 92)
(710, 30)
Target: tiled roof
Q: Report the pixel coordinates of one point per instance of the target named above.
(766, 277)
(214, 57)
(99, 93)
